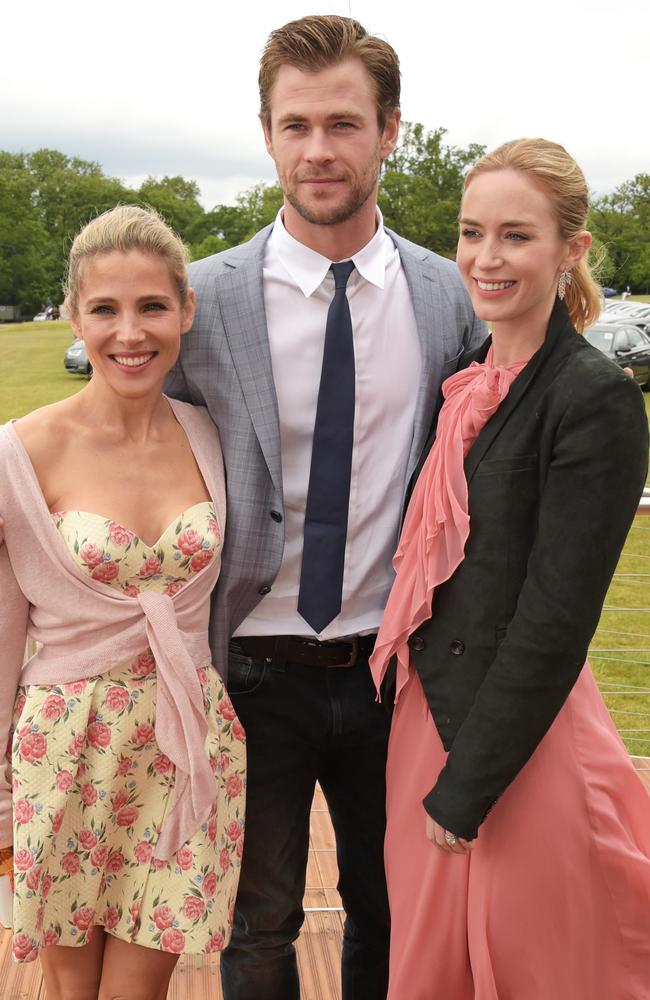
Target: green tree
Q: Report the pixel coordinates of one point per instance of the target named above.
(621, 221)
(421, 188)
(25, 253)
(177, 200)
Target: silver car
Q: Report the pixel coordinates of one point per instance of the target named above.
(76, 360)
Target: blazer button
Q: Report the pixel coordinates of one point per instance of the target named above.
(457, 647)
(276, 515)
(417, 643)
(264, 590)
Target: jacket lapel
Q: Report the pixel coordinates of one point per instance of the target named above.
(425, 298)
(539, 369)
(240, 294)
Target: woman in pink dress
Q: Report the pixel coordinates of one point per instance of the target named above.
(518, 835)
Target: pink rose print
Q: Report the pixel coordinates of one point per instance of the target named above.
(212, 829)
(46, 885)
(115, 863)
(105, 572)
(225, 762)
(83, 918)
(150, 567)
(33, 747)
(143, 734)
(53, 707)
(98, 735)
(22, 947)
(39, 918)
(158, 865)
(33, 878)
(234, 786)
(145, 664)
(143, 852)
(226, 709)
(23, 811)
(119, 535)
(117, 699)
(210, 884)
(23, 860)
(201, 560)
(193, 908)
(184, 858)
(189, 542)
(50, 937)
(239, 850)
(57, 820)
(135, 911)
(124, 765)
(213, 527)
(119, 799)
(215, 943)
(98, 856)
(127, 816)
(163, 917)
(63, 780)
(88, 794)
(224, 859)
(75, 687)
(238, 731)
(70, 863)
(131, 590)
(91, 555)
(162, 764)
(234, 830)
(173, 940)
(87, 840)
(110, 918)
(76, 745)
(174, 587)
(19, 706)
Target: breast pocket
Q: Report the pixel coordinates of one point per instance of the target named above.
(502, 466)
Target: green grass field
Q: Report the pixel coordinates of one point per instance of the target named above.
(32, 374)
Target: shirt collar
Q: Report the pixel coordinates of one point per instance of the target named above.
(308, 268)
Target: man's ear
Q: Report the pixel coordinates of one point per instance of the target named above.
(188, 310)
(390, 134)
(267, 136)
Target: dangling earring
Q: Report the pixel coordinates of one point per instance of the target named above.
(565, 279)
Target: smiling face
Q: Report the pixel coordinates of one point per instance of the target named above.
(131, 319)
(510, 253)
(326, 143)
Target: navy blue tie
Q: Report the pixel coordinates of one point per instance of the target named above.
(328, 496)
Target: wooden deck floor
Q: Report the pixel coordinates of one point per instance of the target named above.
(197, 978)
(319, 946)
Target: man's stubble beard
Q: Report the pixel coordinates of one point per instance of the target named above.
(332, 216)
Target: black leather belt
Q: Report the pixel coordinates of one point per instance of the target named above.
(307, 652)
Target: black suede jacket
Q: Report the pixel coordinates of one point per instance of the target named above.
(554, 480)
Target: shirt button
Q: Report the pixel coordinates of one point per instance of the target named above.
(417, 643)
(276, 515)
(264, 590)
(457, 647)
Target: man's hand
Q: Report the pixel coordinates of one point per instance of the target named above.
(445, 840)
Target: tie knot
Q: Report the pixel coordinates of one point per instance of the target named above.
(342, 272)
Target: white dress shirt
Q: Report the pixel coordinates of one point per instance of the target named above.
(298, 290)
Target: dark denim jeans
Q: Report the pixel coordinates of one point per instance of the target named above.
(308, 724)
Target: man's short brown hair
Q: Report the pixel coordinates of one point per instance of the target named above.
(316, 42)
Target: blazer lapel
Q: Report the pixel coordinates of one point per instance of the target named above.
(538, 367)
(425, 298)
(241, 298)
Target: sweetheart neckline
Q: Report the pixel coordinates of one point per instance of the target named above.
(92, 513)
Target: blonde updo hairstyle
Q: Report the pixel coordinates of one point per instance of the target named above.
(123, 229)
(562, 179)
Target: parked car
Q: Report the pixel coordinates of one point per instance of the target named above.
(40, 317)
(609, 293)
(75, 359)
(628, 346)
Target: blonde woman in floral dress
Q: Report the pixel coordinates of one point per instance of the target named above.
(128, 761)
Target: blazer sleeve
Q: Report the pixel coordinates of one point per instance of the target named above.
(14, 610)
(596, 474)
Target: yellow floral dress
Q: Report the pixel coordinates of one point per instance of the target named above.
(91, 787)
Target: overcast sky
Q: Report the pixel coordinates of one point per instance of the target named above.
(162, 88)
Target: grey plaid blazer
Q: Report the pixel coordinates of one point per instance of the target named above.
(225, 365)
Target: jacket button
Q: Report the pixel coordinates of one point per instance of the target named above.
(457, 647)
(417, 643)
(276, 515)
(264, 590)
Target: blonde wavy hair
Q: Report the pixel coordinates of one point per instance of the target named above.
(564, 182)
(125, 228)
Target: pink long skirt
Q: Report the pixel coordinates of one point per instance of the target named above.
(553, 903)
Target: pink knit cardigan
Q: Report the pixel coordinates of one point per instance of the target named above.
(85, 627)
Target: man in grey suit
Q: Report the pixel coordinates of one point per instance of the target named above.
(322, 377)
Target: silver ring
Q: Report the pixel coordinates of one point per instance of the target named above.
(451, 838)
